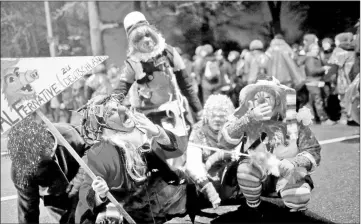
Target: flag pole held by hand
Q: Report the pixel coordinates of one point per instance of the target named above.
(82, 164)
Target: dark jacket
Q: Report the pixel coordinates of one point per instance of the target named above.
(313, 69)
(155, 196)
(53, 175)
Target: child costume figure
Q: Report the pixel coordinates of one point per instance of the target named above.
(130, 161)
(149, 74)
(42, 168)
(206, 168)
(268, 108)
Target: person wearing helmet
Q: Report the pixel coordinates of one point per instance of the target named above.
(43, 169)
(130, 159)
(148, 72)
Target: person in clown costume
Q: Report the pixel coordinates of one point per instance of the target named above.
(156, 78)
(267, 119)
(204, 167)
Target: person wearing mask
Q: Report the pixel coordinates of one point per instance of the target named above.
(155, 76)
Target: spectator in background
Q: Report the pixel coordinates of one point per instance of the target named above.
(113, 74)
(213, 77)
(283, 67)
(314, 78)
(67, 104)
(341, 61)
(259, 63)
(226, 71)
(98, 83)
(331, 100)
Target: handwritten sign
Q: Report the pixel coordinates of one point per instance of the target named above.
(28, 83)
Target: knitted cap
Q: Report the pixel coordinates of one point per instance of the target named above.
(133, 20)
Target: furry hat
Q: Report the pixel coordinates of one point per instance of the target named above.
(133, 20)
(285, 101)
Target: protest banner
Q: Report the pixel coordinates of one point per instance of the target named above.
(28, 83)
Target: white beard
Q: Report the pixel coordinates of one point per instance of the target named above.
(135, 166)
(139, 56)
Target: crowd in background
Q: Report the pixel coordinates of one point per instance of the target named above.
(320, 71)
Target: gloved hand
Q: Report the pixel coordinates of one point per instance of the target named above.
(110, 215)
(211, 194)
(260, 112)
(100, 187)
(286, 167)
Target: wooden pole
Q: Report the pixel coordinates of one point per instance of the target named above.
(81, 162)
(51, 40)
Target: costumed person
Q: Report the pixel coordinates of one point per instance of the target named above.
(314, 78)
(214, 73)
(268, 120)
(130, 161)
(42, 168)
(155, 77)
(208, 169)
(259, 63)
(283, 67)
(341, 62)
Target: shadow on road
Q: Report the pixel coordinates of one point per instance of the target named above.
(273, 212)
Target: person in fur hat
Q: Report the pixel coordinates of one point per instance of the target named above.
(268, 120)
(206, 168)
(149, 70)
(130, 160)
(42, 168)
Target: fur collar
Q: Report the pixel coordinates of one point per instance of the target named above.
(138, 56)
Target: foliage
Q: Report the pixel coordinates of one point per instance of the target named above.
(23, 29)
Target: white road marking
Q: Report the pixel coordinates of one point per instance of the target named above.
(333, 140)
(328, 141)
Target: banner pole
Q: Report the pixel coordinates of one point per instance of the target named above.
(83, 164)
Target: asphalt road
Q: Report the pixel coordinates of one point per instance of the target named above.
(335, 199)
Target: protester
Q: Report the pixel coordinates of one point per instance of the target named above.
(42, 168)
(265, 118)
(149, 68)
(130, 161)
(206, 168)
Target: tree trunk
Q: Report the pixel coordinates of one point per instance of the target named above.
(275, 8)
(96, 39)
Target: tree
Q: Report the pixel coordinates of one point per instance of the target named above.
(275, 9)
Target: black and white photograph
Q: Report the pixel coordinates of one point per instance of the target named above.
(197, 112)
